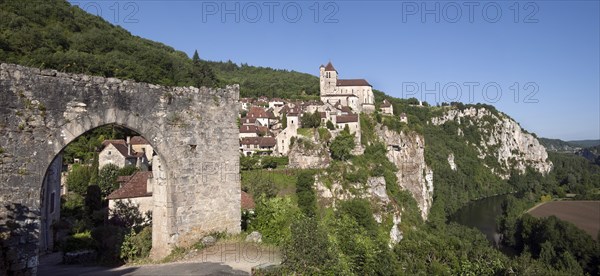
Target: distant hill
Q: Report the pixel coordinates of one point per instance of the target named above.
(558, 145)
(584, 143)
(53, 34)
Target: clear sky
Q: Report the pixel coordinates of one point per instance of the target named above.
(544, 56)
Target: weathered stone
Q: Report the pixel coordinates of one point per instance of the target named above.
(193, 130)
(255, 236)
(208, 241)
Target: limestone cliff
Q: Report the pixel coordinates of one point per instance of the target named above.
(500, 138)
(407, 152)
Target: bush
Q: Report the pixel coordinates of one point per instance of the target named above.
(79, 178)
(108, 239)
(308, 252)
(342, 146)
(307, 201)
(273, 219)
(78, 241)
(127, 215)
(107, 179)
(137, 245)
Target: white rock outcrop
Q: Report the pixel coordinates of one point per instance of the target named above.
(503, 138)
(407, 152)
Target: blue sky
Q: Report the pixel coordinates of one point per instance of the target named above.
(546, 51)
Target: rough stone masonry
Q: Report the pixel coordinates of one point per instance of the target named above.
(196, 179)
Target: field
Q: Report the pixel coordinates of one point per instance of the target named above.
(584, 214)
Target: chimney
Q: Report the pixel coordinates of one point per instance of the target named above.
(128, 145)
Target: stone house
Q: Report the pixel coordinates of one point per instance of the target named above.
(121, 154)
(257, 145)
(137, 189)
(260, 115)
(386, 108)
(403, 118)
(284, 137)
(140, 144)
(248, 131)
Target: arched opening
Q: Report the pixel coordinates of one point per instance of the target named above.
(97, 190)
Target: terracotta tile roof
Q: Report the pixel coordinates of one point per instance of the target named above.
(248, 121)
(135, 187)
(138, 140)
(353, 118)
(329, 67)
(247, 201)
(122, 148)
(248, 129)
(385, 103)
(257, 112)
(353, 82)
(123, 179)
(323, 114)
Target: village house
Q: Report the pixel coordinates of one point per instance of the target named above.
(136, 189)
(386, 108)
(403, 118)
(260, 116)
(139, 144)
(257, 145)
(248, 131)
(121, 154)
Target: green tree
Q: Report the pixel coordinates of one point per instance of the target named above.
(78, 179)
(202, 74)
(307, 201)
(107, 179)
(330, 125)
(284, 121)
(342, 145)
(93, 199)
(308, 251)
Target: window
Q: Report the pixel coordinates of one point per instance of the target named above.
(109, 152)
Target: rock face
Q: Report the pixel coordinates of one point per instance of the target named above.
(307, 154)
(196, 187)
(407, 152)
(502, 138)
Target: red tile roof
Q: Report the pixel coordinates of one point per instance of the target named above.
(385, 103)
(138, 140)
(135, 187)
(248, 129)
(247, 201)
(347, 118)
(330, 67)
(353, 82)
(257, 112)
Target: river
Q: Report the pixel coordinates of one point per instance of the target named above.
(482, 214)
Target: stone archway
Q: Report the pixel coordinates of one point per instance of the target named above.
(198, 185)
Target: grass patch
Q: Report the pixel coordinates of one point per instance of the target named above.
(306, 132)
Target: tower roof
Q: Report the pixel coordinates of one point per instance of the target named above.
(330, 67)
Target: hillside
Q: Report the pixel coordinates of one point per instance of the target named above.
(54, 34)
(585, 143)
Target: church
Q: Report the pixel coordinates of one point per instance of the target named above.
(355, 93)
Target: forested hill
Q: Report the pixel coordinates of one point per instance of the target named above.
(54, 34)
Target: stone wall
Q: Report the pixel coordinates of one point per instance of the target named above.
(193, 130)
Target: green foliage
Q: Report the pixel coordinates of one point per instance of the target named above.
(137, 245)
(284, 121)
(260, 184)
(308, 251)
(307, 200)
(108, 239)
(330, 125)
(342, 146)
(78, 179)
(273, 219)
(126, 214)
(310, 120)
(107, 179)
(93, 199)
(72, 205)
(77, 242)
(324, 135)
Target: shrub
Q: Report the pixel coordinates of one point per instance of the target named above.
(342, 146)
(127, 215)
(273, 219)
(108, 239)
(308, 252)
(137, 245)
(77, 242)
(307, 201)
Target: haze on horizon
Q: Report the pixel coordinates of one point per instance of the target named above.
(542, 56)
